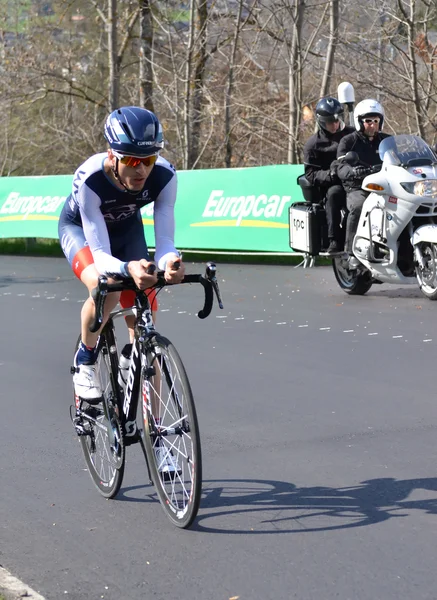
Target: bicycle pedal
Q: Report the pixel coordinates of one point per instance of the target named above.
(92, 412)
(80, 427)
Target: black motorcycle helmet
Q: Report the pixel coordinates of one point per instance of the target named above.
(134, 131)
(329, 110)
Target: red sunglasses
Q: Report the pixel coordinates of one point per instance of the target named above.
(134, 161)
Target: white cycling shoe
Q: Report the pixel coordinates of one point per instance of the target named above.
(87, 384)
(166, 463)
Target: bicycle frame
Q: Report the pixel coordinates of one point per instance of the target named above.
(144, 328)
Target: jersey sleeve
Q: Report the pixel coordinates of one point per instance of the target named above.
(96, 233)
(165, 223)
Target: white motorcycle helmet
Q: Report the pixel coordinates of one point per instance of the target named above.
(367, 108)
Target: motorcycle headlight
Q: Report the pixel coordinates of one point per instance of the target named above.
(427, 187)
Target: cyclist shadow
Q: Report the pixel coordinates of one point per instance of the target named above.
(265, 507)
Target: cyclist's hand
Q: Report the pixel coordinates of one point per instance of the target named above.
(138, 270)
(174, 270)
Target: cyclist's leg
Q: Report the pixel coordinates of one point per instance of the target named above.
(89, 276)
(86, 379)
(81, 260)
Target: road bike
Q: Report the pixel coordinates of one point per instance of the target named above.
(156, 409)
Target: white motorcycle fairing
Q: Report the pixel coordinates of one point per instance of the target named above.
(387, 212)
(425, 233)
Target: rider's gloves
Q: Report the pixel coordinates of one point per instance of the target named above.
(360, 172)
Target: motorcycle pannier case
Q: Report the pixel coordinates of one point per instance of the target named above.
(307, 226)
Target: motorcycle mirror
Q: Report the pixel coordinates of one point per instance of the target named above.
(351, 158)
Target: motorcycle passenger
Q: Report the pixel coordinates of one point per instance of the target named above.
(368, 121)
(320, 151)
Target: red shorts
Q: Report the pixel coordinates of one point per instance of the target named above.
(84, 258)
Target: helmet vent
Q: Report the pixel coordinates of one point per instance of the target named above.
(128, 131)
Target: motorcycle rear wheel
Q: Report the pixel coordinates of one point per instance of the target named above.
(427, 277)
(353, 281)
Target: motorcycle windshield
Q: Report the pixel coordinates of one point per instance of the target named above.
(406, 151)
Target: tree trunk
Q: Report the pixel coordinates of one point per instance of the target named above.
(146, 53)
(188, 71)
(114, 66)
(332, 44)
(198, 83)
(230, 86)
(295, 82)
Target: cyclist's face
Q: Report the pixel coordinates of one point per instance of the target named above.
(133, 178)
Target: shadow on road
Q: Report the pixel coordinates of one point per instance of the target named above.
(264, 507)
(261, 506)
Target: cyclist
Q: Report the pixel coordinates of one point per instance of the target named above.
(368, 121)
(101, 229)
(320, 151)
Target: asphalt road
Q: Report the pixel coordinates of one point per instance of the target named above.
(318, 419)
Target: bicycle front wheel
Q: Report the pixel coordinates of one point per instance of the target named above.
(171, 432)
(103, 444)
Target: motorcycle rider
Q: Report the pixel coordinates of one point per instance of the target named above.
(368, 121)
(320, 151)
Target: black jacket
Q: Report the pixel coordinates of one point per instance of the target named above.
(319, 152)
(368, 154)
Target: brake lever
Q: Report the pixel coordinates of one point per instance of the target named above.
(210, 273)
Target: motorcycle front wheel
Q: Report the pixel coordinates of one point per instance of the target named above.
(427, 276)
(352, 281)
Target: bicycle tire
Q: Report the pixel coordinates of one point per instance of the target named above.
(105, 463)
(169, 385)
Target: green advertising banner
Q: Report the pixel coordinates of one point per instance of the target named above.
(217, 209)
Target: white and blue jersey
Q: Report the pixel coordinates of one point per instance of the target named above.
(99, 215)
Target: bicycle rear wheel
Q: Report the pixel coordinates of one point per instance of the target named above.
(171, 432)
(104, 457)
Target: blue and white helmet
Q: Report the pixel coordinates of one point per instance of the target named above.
(368, 108)
(134, 131)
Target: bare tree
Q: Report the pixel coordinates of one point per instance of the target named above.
(230, 86)
(146, 55)
(199, 66)
(113, 56)
(332, 44)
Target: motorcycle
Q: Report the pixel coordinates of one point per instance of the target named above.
(396, 239)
